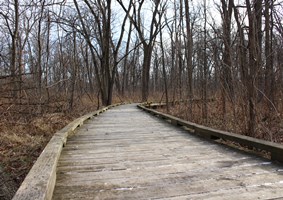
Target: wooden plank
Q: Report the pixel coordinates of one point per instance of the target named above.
(40, 181)
(275, 149)
(127, 154)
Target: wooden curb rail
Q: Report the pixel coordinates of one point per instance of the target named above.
(176, 102)
(40, 181)
(275, 149)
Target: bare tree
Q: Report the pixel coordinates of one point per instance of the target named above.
(164, 71)
(205, 65)
(226, 69)
(269, 55)
(12, 21)
(148, 43)
(125, 63)
(189, 53)
(254, 60)
(106, 50)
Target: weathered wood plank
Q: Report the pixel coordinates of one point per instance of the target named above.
(127, 154)
(275, 149)
(40, 181)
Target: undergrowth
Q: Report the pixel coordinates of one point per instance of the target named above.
(25, 133)
(269, 124)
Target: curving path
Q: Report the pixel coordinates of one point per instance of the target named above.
(125, 153)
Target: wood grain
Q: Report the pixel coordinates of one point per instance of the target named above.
(275, 149)
(40, 182)
(127, 154)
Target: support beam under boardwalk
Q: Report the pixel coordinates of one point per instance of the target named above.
(125, 153)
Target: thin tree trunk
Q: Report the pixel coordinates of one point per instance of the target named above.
(164, 71)
(205, 68)
(14, 36)
(189, 55)
(269, 75)
(145, 72)
(125, 64)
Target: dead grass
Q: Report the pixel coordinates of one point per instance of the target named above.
(24, 133)
(269, 124)
(22, 142)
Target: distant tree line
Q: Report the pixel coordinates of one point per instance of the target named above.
(54, 52)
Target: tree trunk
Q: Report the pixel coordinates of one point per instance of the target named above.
(164, 71)
(145, 71)
(205, 68)
(14, 36)
(269, 75)
(125, 64)
(189, 55)
(254, 47)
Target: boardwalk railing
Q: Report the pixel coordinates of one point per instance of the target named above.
(40, 181)
(275, 149)
(176, 102)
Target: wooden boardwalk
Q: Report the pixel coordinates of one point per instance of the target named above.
(127, 154)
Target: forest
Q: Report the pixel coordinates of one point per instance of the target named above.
(220, 61)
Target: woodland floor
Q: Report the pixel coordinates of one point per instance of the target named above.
(22, 137)
(21, 142)
(269, 123)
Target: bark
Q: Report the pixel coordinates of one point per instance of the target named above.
(164, 71)
(14, 49)
(254, 47)
(147, 49)
(269, 75)
(74, 72)
(125, 64)
(205, 68)
(226, 71)
(189, 53)
(227, 60)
